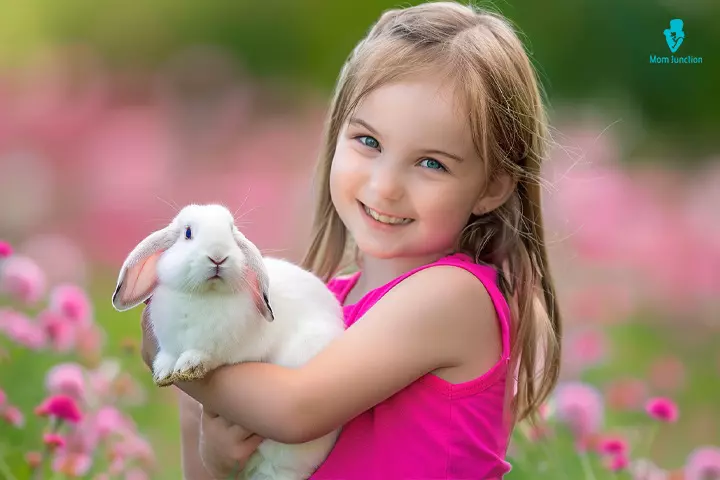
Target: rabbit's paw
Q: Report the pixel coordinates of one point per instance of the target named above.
(192, 365)
(163, 368)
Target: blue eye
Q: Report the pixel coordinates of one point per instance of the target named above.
(369, 141)
(188, 233)
(433, 164)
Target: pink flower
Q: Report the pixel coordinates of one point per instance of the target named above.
(5, 249)
(3, 398)
(136, 474)
(587, 348)
(72, 464)
(67, 379)
(21, 278)
(703, 464)
(13, 416)
(580, 407)
(662, 409)
(63, 407)
(134, 447)
(60, 331)
(613, 446)
(626, 394)
(72, 302)
(110, 420)
(117, 465)
(53, 440)
(89, 341)
(21, 330)
(83, 437)
(102, 378)
(618, 463)
(667, 373)
(33, 459)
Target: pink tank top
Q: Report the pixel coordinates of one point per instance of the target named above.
(432, 429)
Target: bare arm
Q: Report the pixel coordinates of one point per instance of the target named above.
(192, 465)
(414, 329)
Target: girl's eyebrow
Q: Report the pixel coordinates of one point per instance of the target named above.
(363, 123)
(440, 152)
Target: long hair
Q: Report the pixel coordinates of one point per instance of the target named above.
(493, 76)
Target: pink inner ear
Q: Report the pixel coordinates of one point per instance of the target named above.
(252, 281)
(140, 280)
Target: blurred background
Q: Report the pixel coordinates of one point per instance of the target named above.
(114, 114)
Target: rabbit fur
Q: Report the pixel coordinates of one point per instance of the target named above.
(216, 300)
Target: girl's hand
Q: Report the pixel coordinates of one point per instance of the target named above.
(224, 448)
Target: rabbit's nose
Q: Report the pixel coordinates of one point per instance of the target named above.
(217, 262)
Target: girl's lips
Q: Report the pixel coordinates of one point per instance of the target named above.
(381, 212)
(385, 227)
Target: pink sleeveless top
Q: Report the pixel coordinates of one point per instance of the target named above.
(432, 429)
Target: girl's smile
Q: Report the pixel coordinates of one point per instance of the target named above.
(380, 219)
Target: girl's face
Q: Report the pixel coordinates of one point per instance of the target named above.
(405, 176)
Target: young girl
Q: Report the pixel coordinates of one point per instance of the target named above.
(430, 171)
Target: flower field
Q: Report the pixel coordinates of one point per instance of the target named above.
(90, 163)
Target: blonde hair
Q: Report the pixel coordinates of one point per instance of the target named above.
(481, 52)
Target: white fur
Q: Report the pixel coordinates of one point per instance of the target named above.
(212, 323)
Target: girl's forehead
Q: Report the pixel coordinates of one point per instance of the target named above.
(426, 108)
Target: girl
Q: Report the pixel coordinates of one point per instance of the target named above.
(430, 168)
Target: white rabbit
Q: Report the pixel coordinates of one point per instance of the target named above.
(216, 301)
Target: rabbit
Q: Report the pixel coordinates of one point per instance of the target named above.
(216, 300)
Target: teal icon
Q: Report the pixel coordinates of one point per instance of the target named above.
(674, 35)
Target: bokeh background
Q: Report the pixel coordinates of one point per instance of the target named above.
(114, 114)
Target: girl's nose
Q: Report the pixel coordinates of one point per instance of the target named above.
(386, 182)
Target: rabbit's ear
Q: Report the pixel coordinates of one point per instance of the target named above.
(259, 292)
(138, 275)
(257, 276)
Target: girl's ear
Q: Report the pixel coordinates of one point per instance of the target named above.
(497, 193)
(138, 276)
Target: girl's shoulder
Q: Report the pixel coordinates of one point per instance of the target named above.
(487, 275)
(426, 281)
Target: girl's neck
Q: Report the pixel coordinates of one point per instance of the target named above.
(376, 272)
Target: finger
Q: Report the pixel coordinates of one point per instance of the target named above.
(241, 432)
(248, 447)
(253, 441)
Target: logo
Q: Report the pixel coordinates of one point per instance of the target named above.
(674, 35)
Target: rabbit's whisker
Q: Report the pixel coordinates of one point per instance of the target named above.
(242, 204)
(169, 204)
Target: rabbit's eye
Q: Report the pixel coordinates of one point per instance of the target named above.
(188, 233)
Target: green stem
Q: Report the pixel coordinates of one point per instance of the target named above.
(55, 425)
(551, 456)
(651, 439)
(587, 468)
(5, 470)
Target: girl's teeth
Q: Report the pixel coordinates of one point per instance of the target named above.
(385, 219)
